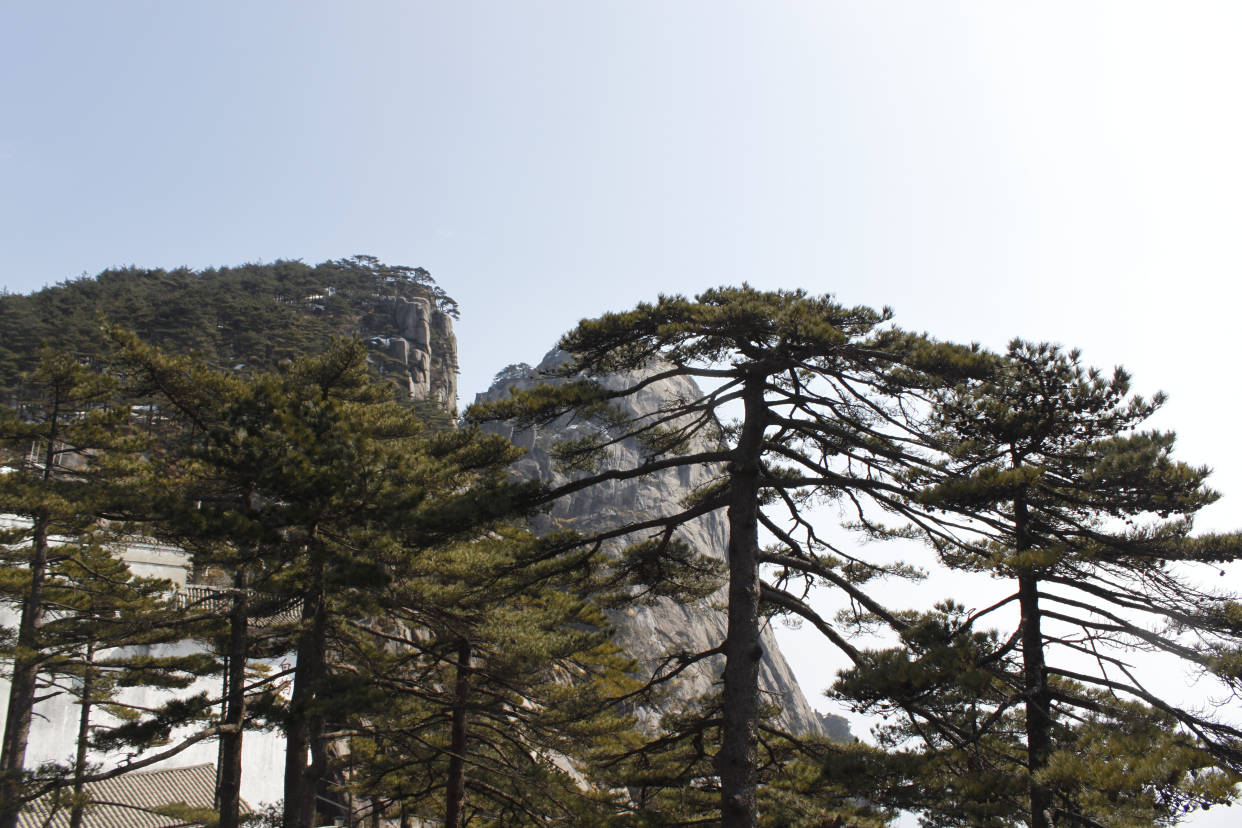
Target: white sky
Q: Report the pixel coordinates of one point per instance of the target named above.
(1063, 170)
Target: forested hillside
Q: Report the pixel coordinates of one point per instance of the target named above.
(252, 315)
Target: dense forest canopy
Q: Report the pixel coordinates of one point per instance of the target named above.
(252, 314)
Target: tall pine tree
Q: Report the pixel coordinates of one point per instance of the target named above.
(501, 683)
(68, 413)
(312, 488)
(818, 389)
(107, 626)
(1060, 493)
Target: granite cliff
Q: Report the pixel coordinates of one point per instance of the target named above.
(423, 353)
(651, 632)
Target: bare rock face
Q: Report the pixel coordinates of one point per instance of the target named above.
(413, 318)
(425, 347)
(443, 376)
(652, 632)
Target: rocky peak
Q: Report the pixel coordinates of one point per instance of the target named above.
(424, 350)
(652, 632)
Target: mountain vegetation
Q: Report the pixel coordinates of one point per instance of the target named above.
(1019, 464)
(805, 373)
(449, 664)
(253, 315)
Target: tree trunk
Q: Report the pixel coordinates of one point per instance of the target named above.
(24, 681)
(84, 733)
(1035, 677)
(228, 790)
(455, 794)
(304, 729)
(1038, 713)
(739, 739)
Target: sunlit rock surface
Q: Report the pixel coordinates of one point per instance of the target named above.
(651, 633)
(424, 352)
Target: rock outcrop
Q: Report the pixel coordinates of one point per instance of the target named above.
(650, 633)
(424, 348)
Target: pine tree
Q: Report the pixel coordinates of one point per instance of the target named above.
(203, 493)
(66, 416)
(944, 691)
(316, 490)
(1084, 514)
(506, 678)
(801, 782)
(819, 388)
(349, 465)
(105, 623)
(73, 452)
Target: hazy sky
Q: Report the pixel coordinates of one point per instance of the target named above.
(1068, 171)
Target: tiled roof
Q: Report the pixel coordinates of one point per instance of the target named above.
(126, 801)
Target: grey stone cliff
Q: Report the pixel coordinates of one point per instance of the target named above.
(651, 632)
(425, 348)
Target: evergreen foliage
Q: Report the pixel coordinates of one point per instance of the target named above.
(1061, 494)
(70, 457)
(451, 666)
(253, 315)
(439, 640)
(822, 393)
(104, 636)
(506, 681)
(802, 782)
